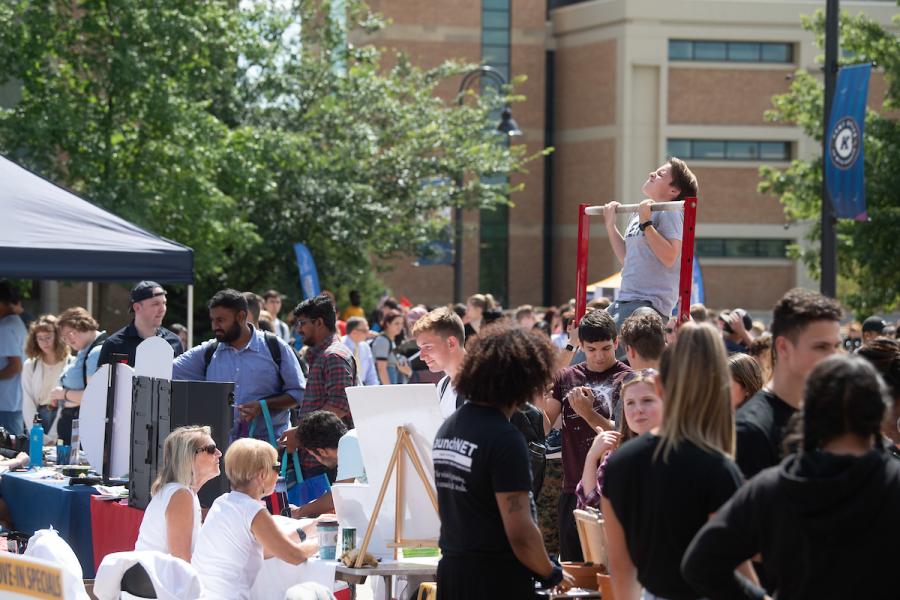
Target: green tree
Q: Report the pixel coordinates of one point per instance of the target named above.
(868, 278)
(241, 128)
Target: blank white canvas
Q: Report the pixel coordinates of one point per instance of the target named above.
(353, 504)
(154, 358)
(377, 412)
(92, 420)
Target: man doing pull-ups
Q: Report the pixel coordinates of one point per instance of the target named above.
(651, 246)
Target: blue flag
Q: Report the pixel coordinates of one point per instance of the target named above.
(309, 277)
(697, 295)
(844, 173)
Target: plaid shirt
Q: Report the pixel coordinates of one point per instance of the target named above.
(331, 370)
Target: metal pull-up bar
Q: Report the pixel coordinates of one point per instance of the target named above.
(623, 209)
(689, 205)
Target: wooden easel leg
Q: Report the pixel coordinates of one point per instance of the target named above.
(417, 464)
(377, 509)
(402, 442)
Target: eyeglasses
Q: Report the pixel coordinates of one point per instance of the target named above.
(277, 466)
(44, 339)
(209, 449)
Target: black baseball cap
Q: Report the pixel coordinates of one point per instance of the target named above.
(873, 324)
(144, 291)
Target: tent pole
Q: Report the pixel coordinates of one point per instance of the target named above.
(90, 297)
(190, 316)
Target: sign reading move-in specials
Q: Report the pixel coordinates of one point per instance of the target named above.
(844, 172)
(26, 577)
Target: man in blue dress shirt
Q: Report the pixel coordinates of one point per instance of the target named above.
(242, 355)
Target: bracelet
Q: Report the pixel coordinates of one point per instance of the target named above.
(302, 534)
(553, 579)
(645, 225)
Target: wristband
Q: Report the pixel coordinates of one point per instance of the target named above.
(645, 225)
(553, 579)
(570, 348)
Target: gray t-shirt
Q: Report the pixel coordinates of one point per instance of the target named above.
(644, 277)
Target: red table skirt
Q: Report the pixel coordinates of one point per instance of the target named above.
(114, 527)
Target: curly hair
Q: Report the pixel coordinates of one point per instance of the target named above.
(46, 324)
(844, 394)
(798, 308)
(320, 429)
(506, 366)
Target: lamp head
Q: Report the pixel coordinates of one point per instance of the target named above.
(507, 124)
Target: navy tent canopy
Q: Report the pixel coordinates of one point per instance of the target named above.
(47, 232)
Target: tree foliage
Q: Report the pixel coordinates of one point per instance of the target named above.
(869, 280)
(241, 128)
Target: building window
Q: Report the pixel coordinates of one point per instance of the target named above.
(729, 150)
(749, 52)
(493, 252)
(741, 248)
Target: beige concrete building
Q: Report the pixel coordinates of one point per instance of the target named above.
(616, 86)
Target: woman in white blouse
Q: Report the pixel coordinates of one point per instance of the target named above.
(47, 355)
(239, 532)
(171, 522)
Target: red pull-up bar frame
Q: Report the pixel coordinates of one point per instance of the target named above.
(687, 251)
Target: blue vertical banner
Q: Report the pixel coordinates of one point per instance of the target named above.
(697, 295)
(844, 172)
(309, 277)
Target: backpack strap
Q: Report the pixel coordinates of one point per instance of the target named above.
(208, 355)
(97, 341)
(444, 386)
(275, 351)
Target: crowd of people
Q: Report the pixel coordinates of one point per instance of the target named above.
(729, 458)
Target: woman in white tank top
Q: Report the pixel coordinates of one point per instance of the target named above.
(239, 532)
(171, 522)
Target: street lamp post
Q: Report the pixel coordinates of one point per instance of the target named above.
(506, 126)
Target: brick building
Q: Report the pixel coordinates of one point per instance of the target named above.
(616, 86)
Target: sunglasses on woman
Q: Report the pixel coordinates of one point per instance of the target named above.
(209, 449)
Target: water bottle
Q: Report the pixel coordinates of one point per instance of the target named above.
(36, 444)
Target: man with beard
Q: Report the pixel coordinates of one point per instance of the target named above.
(331, 371)
(261, 365)
(148, 305)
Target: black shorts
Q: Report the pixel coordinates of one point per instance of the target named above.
(481, 578)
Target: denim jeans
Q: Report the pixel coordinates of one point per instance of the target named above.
(12, 421)
(622, 310)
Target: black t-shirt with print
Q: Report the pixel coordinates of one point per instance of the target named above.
(477, 453)
(662, 504)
